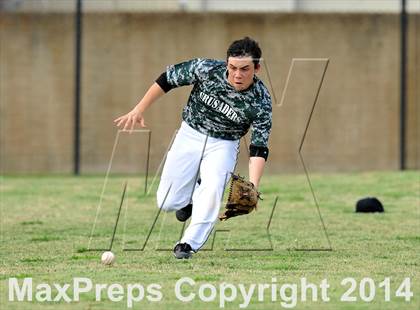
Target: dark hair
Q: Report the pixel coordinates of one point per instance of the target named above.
(245, 47)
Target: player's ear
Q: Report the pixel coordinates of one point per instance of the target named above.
(257, 68)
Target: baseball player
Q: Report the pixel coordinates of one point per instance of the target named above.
(226, 101)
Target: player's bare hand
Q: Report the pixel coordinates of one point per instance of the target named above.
(129, 120)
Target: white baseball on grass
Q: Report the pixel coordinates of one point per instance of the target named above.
(107, 258)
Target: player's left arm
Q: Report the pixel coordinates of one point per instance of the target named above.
(258, 150)
(256, 170)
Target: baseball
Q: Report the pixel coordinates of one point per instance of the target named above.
(108, 258)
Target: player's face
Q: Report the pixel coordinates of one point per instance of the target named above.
(241, 72)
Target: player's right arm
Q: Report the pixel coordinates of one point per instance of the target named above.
(135, 116)
(184, 73)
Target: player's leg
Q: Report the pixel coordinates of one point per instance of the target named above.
(218, 162)
(184, 214)
(179, 172)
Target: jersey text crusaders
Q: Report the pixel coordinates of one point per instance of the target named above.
(216, 108)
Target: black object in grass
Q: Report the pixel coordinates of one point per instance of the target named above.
(369, 204)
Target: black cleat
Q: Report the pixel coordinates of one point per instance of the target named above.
(183, 250)
(184, 214)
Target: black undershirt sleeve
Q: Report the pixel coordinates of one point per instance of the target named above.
(162, 81)
(258, 151)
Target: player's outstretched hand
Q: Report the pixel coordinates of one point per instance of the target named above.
(129, 120)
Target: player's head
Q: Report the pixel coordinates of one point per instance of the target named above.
(245, 47)
(243, 57)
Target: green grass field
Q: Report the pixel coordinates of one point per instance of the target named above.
(46, 225)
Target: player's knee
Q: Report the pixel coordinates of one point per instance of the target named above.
(170, 202)
(162, 202)
(162, 197)
(159, 200)
(214, 187)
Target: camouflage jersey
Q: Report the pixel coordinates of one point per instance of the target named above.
(216, 108)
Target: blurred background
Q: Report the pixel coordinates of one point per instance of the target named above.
(68, 68)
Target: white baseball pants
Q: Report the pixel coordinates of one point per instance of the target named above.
(192, 154)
